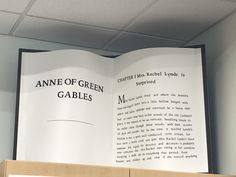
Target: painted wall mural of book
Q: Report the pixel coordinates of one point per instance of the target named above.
(143, 109)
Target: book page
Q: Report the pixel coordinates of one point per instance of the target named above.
(65, 108)
(159, 116)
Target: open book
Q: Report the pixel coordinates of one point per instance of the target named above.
(143, 109)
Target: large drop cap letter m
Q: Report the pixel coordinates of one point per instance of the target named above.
(121, 99)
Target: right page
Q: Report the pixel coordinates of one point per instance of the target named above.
(159, 112)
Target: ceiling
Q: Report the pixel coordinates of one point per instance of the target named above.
(113, 25)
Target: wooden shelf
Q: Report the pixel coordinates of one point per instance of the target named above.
(12, 167)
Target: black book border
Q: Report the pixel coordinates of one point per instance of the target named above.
(18, 96)
(206, 106)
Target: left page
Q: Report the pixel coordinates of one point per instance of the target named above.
(65, 108)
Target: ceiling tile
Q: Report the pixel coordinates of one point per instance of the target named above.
(62, 32)
(13, 5)
(7, 21)
(106, 13)
(129, 41)
(181, 19)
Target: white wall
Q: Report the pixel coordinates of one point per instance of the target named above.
(220, 43)
(8, 80)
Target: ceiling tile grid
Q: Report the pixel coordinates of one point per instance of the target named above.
(116, 25)
(181, 19)
(7, 20)
(17, 6)
(126, 42)
(64, 32)
(113, 14)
